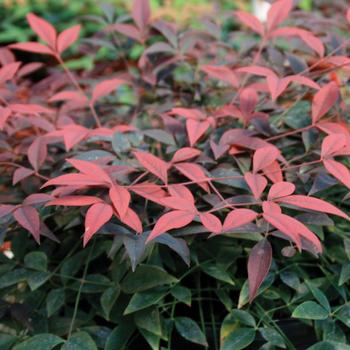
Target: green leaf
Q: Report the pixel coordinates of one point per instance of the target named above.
(182, 294)
(143, 300)
(54, 301)
(80, 341)
(189, 330)
(329, 345)
(13, 277)
(108, 298)
(37, 279)
(43, 341)
(218, 272)
(6, 341)
(319, 296)
(344, 274)
(36, 261)
(310, 310)
(152, 339)
(94, 283)
(146, 277)
(160, 135)
(238, 339)
(149, 320)
(120, 335)
(273, 337)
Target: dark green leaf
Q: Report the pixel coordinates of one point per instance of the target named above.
(238, 339)
(54, 301)
(182, 294)
(36, 261)
(189, 330)
(80, 341)
(149, 320)
(43, 341)
(272, 336)
(108, 298)
(310, 310)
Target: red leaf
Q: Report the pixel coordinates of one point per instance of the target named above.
(313, 204)
(281, 189)
(96, 216)
(67, 38)
(29, 109)
(74, 201)
(264, 156)
(141, 13)
(257, 183)
(132, 220)
(271, 207)
(185, 153)
(259, 263)
(221, 73)
(348, 15)
(74, 180)
(238, 217)
(211, 222)
(73, 134)
(324, 100)
(43, 29)
(248, 99)
(153, 164)
(195, 129)
(8, 71)
(6, 209)
(105, 88)
(279, 12)
(37, 199)
(20, 174)
(169, 221)
(94, 171)
(274, 172)
(195, 173)
(181, 191)
(338, 170)
(333, 144)
(28, 217)
(68, 96)
(32, 47)
(177, 203)
(188, 113)
(149, 191)
(4, 115)
(120, 198)
(250, 21)
(126, 29)
(37, 153)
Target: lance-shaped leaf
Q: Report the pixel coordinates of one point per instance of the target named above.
(195, 129)
(4, 115)
(32, 47)
(74, 180)
(188, 113)
(264, 156)
(68, 96)
(141, 13)
(153, 164)
(278, 12)
(169, 221)
(74, 201)
(28, 217)
(281, 189)
(195, 173)
(132, 220)
(333, 144)
(21, 174)
(96, 216)
(67, 38)
(259, 263)
(211, 222)
(37, 153)
(250, 21)
(6, 209)
(238, 217)
(338, 170)
(313, 204)
(43, 29)
(256, 182)
(221, 73)
(8, 71)
(185, 153)
(274, 172)
(105, 88)
(324, 100)
(120, 198)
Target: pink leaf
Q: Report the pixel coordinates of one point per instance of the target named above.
(74, 180)
(264, 156)
(338, 170)
(181, 191)
(211, 222)
(174, 202)
(149, 191)
(68, 96)
(94, 171)
(281, 189)
(332, 144)
(141, 13)
(188, 113)
(324, 100)
(32, 47)
(250, 21)
(37, 199)
(248, 99)
(195, 173)
(120, 198)
(26, 109)
(313, 204)
(169, 221)
(238, 217)
(105, 88)
(43, 29)
(221, 73)
(28, 218)
(127, 29)
(279, 12)
(4, 115)
(6, 209)
(257, 183)
(20, 174)
(132, 220)
(259, 263)
(37, 153)
(274, 172)
(153, 164)
(195, 129)
(74, 201)
(8, 71)
(67, 38)
(185, 153)
(96, 216)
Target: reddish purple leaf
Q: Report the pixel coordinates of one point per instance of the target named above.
(67, 38)
(28, 218)
(37, 153)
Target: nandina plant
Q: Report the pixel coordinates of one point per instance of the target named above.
(191, 136)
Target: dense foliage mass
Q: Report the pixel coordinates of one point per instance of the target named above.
(181, 137)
